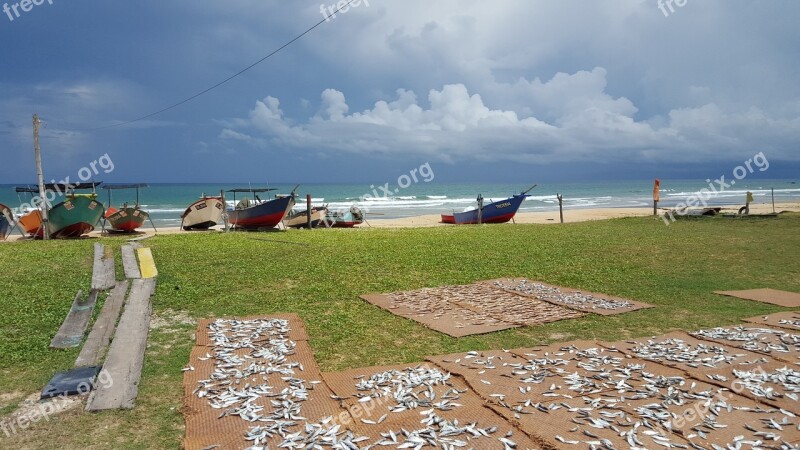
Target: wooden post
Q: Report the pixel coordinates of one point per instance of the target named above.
(39, 174)
(560, 207)
(224, 209)
(773, 200)
(308, 211)
(480, 209)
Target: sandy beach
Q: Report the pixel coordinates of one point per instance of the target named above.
(546, 217)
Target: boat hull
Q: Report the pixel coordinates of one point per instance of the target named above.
(300, 219)
(263, 215)
(496, 212)
(344, 220)
(6, 219)
(127, 220)
(74, 217)
(31, 223)
(203, 214)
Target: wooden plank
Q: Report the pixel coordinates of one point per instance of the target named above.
(129, 262)
(103, 272)
(126, 354)
(146, 263)
(96, 344)
(70, 334)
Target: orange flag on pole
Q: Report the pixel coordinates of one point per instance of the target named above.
(656, 193)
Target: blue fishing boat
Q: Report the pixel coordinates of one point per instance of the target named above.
(496, 212)
(255, 213)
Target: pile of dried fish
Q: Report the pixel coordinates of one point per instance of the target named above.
(440, 433)
(755, 381)
(764, 340)
(794, 323)
(766, 432)
(692, 355)
(245, 354)
(576, 300)
(411, 388)
(436, 302)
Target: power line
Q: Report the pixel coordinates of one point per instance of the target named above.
(209, 89)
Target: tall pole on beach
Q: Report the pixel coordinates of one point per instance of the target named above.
(773, 200)
(40, 176)
(480, 209)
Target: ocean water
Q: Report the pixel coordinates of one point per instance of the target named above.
(166, 202)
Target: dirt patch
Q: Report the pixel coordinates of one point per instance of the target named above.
(33, 410)
(9, 398)
(170, 320)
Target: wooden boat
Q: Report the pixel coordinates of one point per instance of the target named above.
(128, 218)
(31, 223)
(203, 214)
(348, 219)
(300, 219)
(254, 214)
(496, 212)
(77, 215)
(6, 220)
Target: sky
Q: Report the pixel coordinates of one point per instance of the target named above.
(507, 90)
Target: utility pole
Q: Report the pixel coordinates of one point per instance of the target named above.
(42, 194)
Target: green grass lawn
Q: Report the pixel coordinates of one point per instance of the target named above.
(674, 267)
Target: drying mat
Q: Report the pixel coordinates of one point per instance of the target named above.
(501, 305)
(562, 424)
(560, 373)
(781, 377)
(728, 411)
(472, 309)
(487, 372)
(591, 302)
(374, 418)
(788, 320)
(297, 330)
(780, 344)
(204, 425)
(695, 356)
(771, 296)
(440, 315)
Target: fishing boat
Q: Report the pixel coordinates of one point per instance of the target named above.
(31, 223)
(128, 218)
(255, 213)
(348, 219)
(30, 220)
(6, 219)
(203, 214)
(77, 215)
(496, 212)
(299, 219)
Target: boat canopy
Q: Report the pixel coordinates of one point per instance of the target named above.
(125, 186)
(58, 187)
(255, 190)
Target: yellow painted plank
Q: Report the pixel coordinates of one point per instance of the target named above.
(146, 263)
